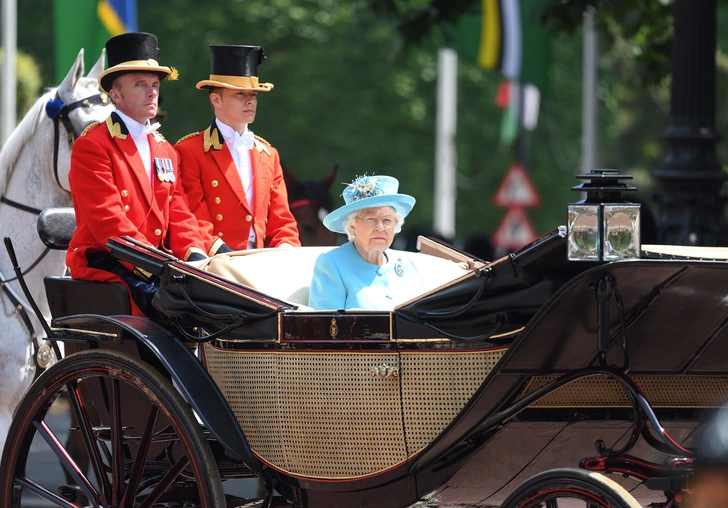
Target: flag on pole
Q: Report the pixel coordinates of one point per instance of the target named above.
(88, 24)
(512, 97)
(506, 36)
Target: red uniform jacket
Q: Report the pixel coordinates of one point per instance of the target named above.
(216, 195)
(112, 196)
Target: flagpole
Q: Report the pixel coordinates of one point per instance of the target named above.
(445, 162)
(589, 110)
(521, 149)
(9, 81)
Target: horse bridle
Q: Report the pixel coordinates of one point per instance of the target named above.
(58, 115)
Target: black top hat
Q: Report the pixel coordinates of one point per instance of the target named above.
(235, 67)
(133, 52)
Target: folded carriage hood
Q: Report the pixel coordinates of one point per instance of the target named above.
(675, 312)
(498, 298)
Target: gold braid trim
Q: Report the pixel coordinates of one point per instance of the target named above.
(261, 139)
(88, 128)
(188, 136)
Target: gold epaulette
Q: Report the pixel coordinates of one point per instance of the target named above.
(263, 140)
(89, 127)
(188, 136)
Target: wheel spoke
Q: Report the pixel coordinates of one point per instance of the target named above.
(165, 482)
(68, 463)
(140, 459)
(552, 503)
(44, 493)
(117, 444)
(87, 432)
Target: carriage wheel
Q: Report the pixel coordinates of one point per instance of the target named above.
(573, 487)
(145, 447)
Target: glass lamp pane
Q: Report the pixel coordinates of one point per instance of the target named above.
(583, 223)
(622, 232)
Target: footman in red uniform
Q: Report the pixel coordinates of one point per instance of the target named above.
(125, 176)
(233, 179)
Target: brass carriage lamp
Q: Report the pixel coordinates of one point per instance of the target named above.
(603, 227)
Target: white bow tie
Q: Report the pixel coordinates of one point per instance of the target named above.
(148, 129)
(247, 140)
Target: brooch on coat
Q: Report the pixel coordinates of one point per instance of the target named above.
(399, 267)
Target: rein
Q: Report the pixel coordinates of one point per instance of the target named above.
(56, 113)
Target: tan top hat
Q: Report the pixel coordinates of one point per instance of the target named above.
(235, 67)
(133, 52)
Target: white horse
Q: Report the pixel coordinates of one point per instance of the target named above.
(34, 166)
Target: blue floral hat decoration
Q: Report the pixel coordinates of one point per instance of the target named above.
(369, 192)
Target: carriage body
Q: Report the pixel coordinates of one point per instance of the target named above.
(364, 408)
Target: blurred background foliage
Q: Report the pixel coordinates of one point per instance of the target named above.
(29, 85)
(355, 84)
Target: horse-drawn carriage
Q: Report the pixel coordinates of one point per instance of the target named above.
(240, 379)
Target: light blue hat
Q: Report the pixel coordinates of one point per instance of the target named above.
(369, 192)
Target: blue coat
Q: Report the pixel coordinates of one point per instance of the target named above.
(342, 279)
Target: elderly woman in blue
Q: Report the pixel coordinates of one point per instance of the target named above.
(364, 273)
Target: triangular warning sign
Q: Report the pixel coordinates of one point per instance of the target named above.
(516, 189)
(514, 231)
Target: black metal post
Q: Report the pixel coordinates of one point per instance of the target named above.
(690, 206)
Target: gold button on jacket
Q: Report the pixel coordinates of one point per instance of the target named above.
(218, 217)
(126, 208)
(214, 183)
(218, 200)
(124, 193)
(157, 232)
(248, 218)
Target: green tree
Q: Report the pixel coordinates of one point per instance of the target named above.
(29, 82)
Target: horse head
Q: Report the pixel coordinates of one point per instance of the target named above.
(310, 202)
(77, 103)
(38, 152)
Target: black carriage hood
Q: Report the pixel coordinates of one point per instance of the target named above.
(495, 299)
(193, 298)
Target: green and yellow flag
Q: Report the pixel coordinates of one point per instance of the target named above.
(506, 36)
(88, 24)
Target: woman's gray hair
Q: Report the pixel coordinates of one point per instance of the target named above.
(348, 222)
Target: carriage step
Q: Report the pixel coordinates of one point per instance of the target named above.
(104, 433)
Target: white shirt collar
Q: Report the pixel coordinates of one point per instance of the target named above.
(137, 129)
(231, 136)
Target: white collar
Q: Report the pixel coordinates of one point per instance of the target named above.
(137, 129)
(230, 135)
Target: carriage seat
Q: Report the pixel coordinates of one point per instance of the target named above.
(286, 273)
(56, 227)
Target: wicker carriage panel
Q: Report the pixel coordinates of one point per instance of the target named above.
(435, 388)
(315, 414)
(660, 391)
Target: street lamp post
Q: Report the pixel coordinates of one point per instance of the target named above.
(690, 207)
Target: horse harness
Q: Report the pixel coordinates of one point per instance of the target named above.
(58, 111)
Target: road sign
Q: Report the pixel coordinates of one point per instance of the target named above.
(516, 189)
(514, 230)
